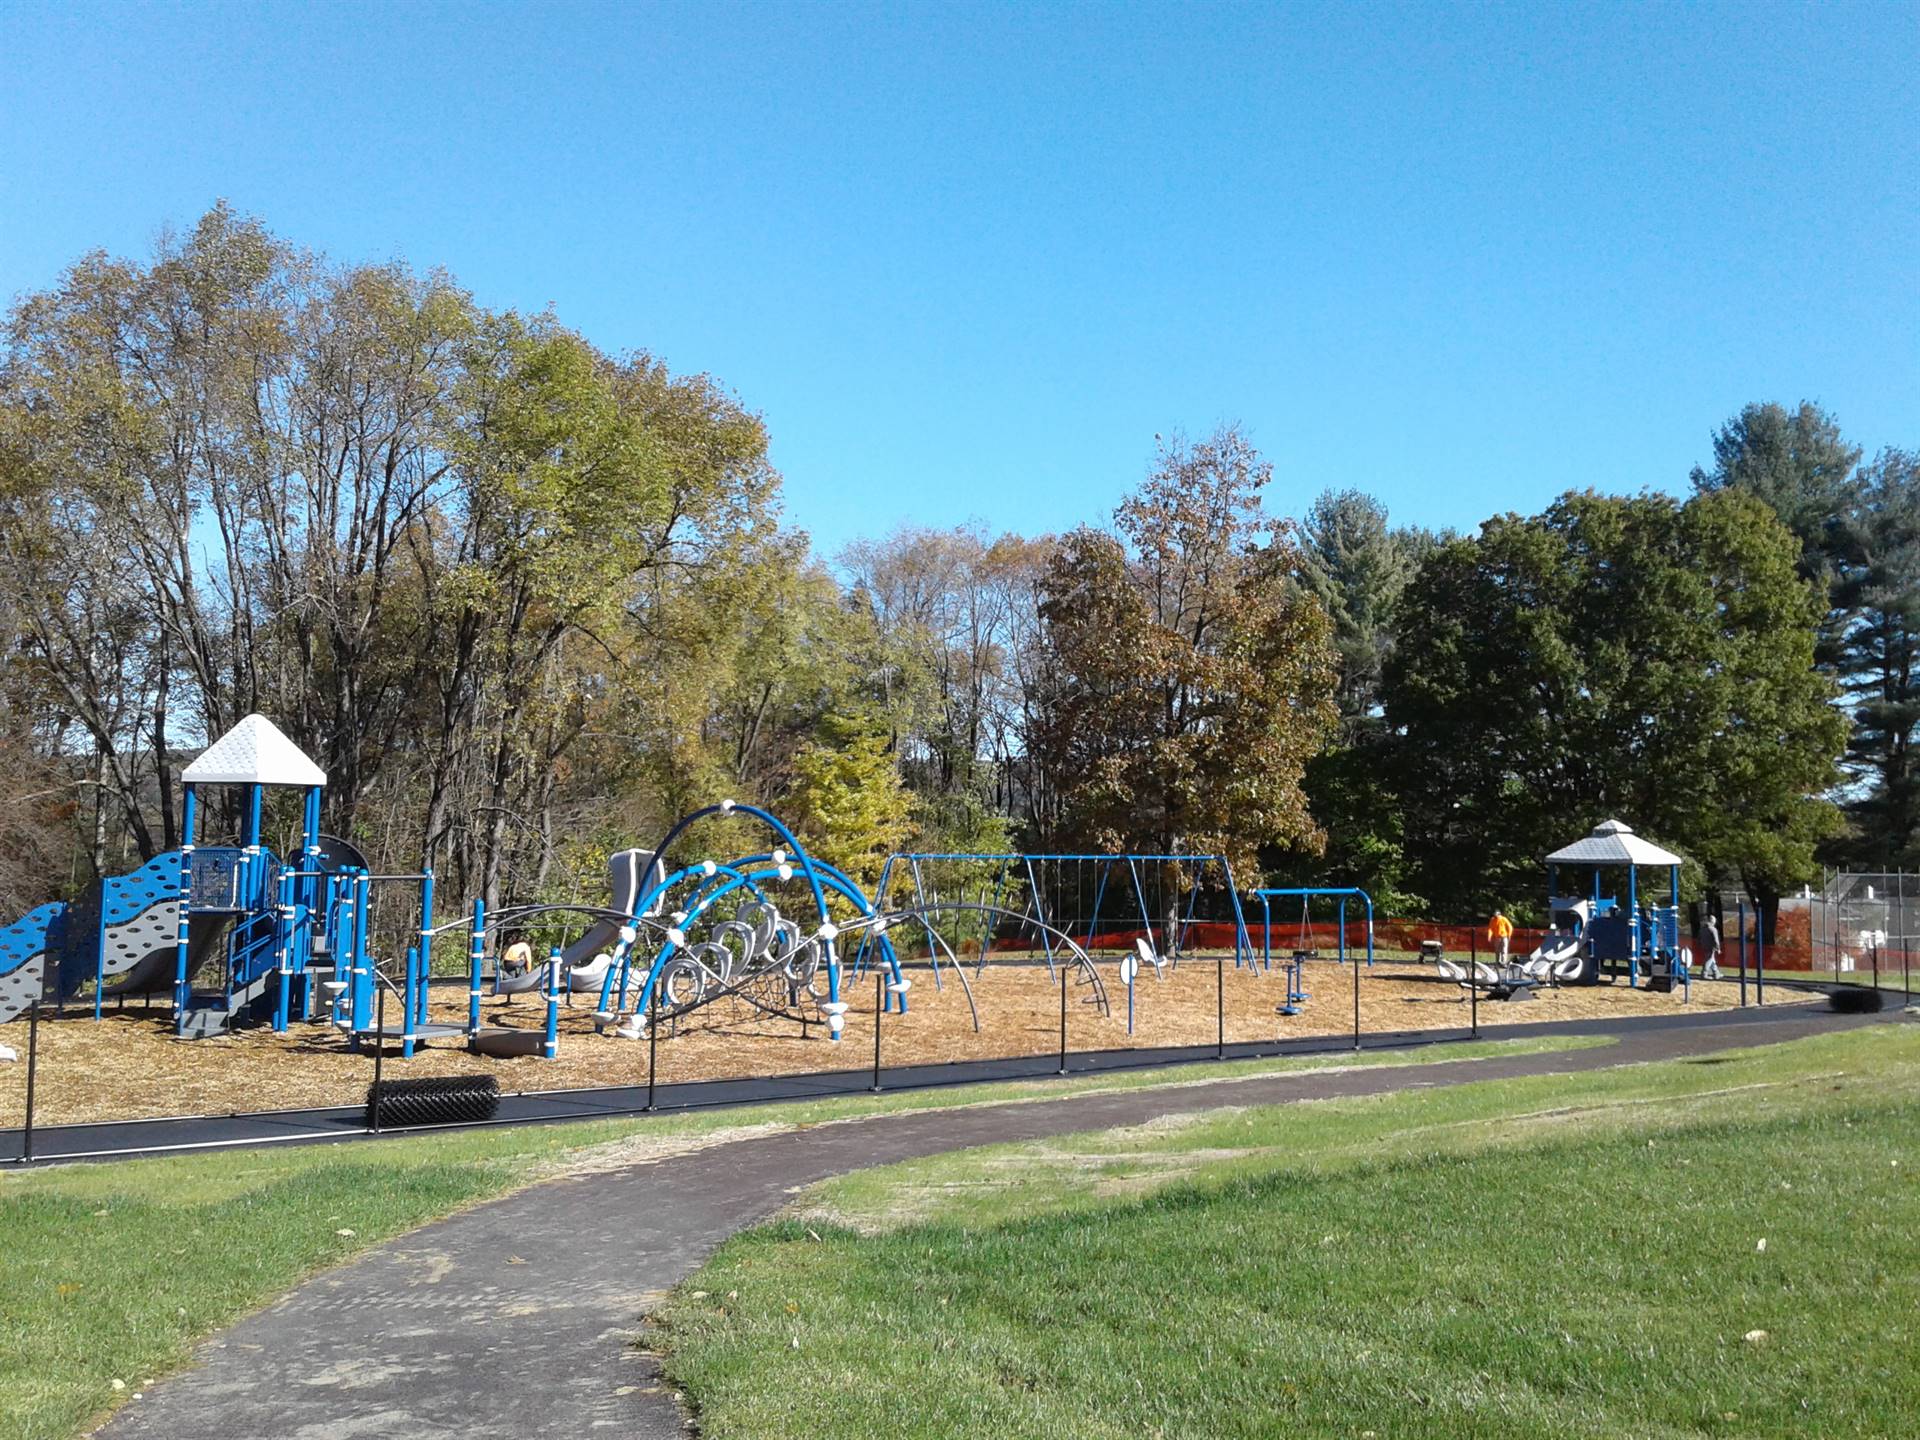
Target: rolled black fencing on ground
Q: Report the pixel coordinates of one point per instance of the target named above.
(1856, 1001)
(432, 1100)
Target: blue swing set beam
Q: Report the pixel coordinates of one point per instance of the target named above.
(1306, 894)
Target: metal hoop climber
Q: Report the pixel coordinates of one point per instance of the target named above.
(713, 930)
(726, 935)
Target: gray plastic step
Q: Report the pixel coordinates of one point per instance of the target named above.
(429, 1030)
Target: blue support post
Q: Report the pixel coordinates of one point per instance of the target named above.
(283, 958)
(339, 912)
(249, 890)
(363, 983)
(1099, 893)
(1633, 926)
(426, 941)
(1242, 942)
(879, 904)
(310, 895)
(1266, 936)
(987, 919)
(100, 950)
(920, 899)
(552, 1047)
(185, 906)
(1140, 895)
(476, 954)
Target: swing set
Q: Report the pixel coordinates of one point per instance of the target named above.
(1103, 901)
(1306, 947)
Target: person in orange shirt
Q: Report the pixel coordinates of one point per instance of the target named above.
(1500, 933)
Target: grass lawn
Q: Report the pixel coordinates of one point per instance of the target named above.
(111, 1272)
(1722, 1247)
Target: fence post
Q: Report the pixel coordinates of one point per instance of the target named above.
(653, 1037)
(1220, 1007)
(1063, 1019)
(1741, 910)
(1473, 988)
(379, 1046)
(1356, 1007)
(33, 1064)
(879, 1005)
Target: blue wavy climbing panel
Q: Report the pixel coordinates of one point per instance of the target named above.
(23, 956)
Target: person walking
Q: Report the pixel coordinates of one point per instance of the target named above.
(1500, 936)
(1707, 942)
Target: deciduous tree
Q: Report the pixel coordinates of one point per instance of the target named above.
(1629, 657)
(1194, 678)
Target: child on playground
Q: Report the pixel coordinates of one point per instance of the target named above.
(517, 956)
(1500, 935)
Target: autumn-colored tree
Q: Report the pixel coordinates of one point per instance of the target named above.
(1193, 679)
(846, 800)
(454, 553)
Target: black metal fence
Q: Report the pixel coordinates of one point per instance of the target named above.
(366, 1086)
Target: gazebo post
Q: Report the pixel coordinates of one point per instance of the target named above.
(1633, 926)
(181, 990)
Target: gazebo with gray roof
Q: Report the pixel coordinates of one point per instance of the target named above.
(1612, 843)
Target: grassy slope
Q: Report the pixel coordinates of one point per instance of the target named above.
(1563, 1256)
(112, 1271)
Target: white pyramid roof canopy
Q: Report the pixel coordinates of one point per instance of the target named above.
(254, 752)
(1613, 843)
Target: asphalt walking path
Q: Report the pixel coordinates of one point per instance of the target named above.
(519, 1318)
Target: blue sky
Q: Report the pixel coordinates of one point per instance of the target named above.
(968, 260)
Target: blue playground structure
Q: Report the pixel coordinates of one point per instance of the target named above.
(229, 932)
(1593, 937)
